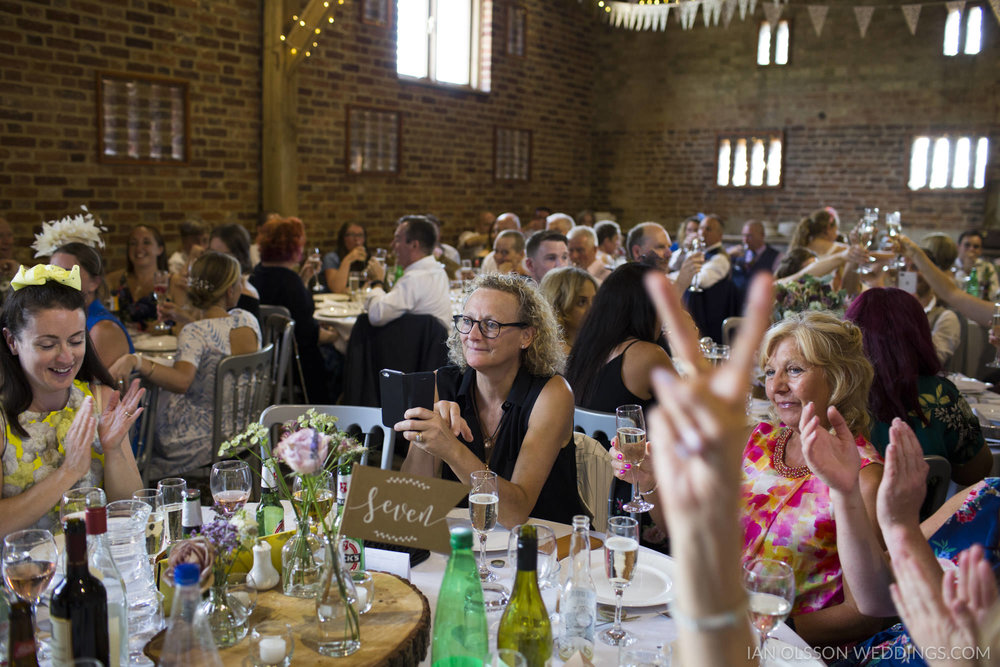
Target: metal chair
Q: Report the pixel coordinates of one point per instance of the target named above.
(598, 425)
(938, 480)
(242, 390)
(364, 423)
(280, 331)
(268, 310)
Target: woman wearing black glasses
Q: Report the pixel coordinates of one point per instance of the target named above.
(502, 405)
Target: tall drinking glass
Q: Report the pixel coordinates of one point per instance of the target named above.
(697, 245)
(631, 427)
(316, 259)
(29, 561)
(155, 527)
(230, 483)
(621, 553)
(174, 490)
(161, 285)
(484, 503)
(771, 587)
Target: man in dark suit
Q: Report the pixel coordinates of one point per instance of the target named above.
(754, 256)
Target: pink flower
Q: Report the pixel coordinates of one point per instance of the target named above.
(197, 550)
(304, 451)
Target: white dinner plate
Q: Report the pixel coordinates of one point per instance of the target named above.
(652, 585)
(990, 413)
(147, 343)
(331, 296)
(968, 385)
(341, 310)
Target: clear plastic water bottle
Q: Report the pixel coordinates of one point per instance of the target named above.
(189, 637)
(100, 561)
(578, 603)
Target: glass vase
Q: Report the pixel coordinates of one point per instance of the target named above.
(336, 609)
(227, 614)
(301, 570)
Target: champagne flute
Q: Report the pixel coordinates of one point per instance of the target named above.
(161, 283)
(484, 504)
(174, 490)
(621, 553)
(996, 332)
(230, 484)
(868, 237)
(155, 524)
(894, 228)
(29, 561)
(697, 245)
(631, 426)
(771, 587)
(316, 259)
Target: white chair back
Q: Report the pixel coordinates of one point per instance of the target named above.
(357, 420)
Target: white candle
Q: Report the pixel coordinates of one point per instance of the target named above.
(272, 650)
(362, 597)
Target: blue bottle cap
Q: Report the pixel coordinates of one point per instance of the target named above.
(186, 574)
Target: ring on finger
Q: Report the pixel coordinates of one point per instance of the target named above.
(420, 437)
(128, 414)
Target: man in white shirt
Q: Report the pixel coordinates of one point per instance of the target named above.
(583, 252)
(545, 250)
(946, 330)
(609, 243)
(423, 287)
(717, 264)
(717, 297)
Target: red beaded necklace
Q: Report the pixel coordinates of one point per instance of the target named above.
(778, 458)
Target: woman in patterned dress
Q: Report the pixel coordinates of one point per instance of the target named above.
(63, 424)
(184, 421)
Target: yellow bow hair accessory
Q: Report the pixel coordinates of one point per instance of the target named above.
(42, 273)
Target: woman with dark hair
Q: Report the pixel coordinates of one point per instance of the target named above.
(64, 426)
(107, 332)
(281, 242)
(233, 239)
(616, 347)
(134, 285)
(184, 423)
(351, 255)
(897, 341)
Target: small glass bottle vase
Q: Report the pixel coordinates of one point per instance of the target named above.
(227, 616)
(336, 610)
(300, 570)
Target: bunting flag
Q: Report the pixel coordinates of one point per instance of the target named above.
(772, 10)
(710, 11)
(743, 9)
(689, 10)
(729, 9)
(995, 4)
(955, 5)
(817, 14)
(912, 14)
(864, 17)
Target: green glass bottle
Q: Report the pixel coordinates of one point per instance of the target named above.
(270, 513)
(460, 636)
(972, 287)
(525, 625)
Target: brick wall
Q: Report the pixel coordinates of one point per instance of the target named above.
(848, 106)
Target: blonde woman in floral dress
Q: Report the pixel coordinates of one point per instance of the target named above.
(63, 424)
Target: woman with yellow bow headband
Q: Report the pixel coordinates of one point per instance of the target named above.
(63, 424)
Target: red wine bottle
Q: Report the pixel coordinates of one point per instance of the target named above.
(79, 607)
(21, 651)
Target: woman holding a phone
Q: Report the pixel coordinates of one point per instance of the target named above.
(502, 405)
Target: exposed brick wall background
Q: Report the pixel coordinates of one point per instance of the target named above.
(849, 108)
(621, 120)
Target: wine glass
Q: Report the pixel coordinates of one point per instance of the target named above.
(996, 331)
(621, 553)
(29, 561)
(771, 587)
(174, 490)
(697, 245)
(894, 228)
(155, 524)
(74, 502)
(316, 259)
(631, 426)
(867, 232)
(161, 283)
(230, 484)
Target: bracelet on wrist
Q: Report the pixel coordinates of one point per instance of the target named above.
(725, 619)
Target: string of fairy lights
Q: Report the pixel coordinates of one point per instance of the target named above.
(305, 29)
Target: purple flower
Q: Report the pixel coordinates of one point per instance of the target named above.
(304, 451)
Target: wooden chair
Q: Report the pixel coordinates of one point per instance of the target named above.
(594, 478)
(364, 423)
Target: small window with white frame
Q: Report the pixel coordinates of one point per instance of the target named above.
(963, 31)
(511, 154)
(445, 41)
(948, 162)
(751, 160)
(772, 43)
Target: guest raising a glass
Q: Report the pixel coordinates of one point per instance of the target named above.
(502, 405)
(64, 426)
(184, 425)
(134, 285)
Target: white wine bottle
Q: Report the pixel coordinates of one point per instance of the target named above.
(525, 625)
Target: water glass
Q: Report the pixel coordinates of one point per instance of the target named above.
(74, 502)
(155, 527)
(364, 584)
(506, 657)
(271, 644)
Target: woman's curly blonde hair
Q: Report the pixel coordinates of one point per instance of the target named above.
(835, 346)
(544, 356)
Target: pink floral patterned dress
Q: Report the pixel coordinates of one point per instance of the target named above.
(791, 520)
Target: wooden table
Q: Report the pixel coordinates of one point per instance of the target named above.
(395, 632)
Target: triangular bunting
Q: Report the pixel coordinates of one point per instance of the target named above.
(619, 10)
(743, 9)
(729, 9)
(772, 10)
(664, 17)
(864, 17)
(711, 12)
(995, 4)
(955, 5)
(912, 14)
(753, 6)
(689, 11)
(817, 14)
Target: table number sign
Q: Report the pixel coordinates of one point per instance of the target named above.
(391, 506)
